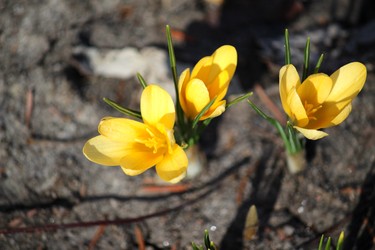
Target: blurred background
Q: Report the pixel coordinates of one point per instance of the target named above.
(59, 58)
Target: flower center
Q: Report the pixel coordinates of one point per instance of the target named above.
(311, 110)
(158, 140)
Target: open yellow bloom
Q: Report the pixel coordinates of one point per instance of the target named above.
(209, 79)
(137, 146)
(321, 101)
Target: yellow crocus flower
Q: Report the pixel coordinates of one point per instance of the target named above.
(137, 146)
(209, 79)
(321, 101)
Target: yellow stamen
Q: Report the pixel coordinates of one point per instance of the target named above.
(153, 141)
(311, 110)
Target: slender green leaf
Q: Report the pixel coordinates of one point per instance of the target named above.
(141, 80)
(123, 110)
(172, 62)
(321, 242)
(195, 247)
(260, 112)
(291, 140)
(287, 48)
(295, 142)
(319, 63)
(306, 60)
(207, 121)
(207, 241)
(199, 130)
(172, 58)
(340, 242)
(208, 244)
(328, 244)
(203, 111)
(239, 99)
(212, 246)
(273, 122)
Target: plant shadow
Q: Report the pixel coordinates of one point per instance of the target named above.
(361, 230)
(264, 196)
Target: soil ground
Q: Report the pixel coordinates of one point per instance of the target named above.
(51, 90)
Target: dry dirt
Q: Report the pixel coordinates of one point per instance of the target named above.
(51, 197)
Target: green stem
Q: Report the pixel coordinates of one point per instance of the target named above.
(287, 48)
(306, 60)
(172, 61)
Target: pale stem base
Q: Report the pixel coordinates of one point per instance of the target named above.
(296, 162)
(197, 161)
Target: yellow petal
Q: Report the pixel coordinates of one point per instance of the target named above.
(139, 159)
(182, 82)
(311, 134)
(173, 167)
(202, 69)
(329, 112)
(347, 82)
(132, 172)
(215, 110)
(121, 129)
(157, 106)
(219, 86)
(223, 59)
(341, 116)
(288, 79)
(104, 151)
(197, 97)
(315, 89)
(330, 115)
(297, 110)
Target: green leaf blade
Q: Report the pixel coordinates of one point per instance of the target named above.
(287, 48)
(273, 122)
(207, 241)
(321, 242)
(319, 63)
(328, 244)
(129, 112)
(340, 241)
(172, 62)
(141, 80)
(203, 111)
(239, 99)
(306, 60)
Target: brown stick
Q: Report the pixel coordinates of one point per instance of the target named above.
(29, 107)
(139, 237)
(278, 115)
(96, 237)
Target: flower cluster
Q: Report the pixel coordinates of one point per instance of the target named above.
(137, 146)
(316, 102)
(320, 101)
